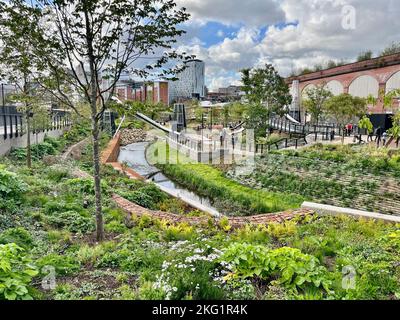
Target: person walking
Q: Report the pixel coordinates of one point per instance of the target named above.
(384, 138)
(378, 136)
(222, 137)
(370, 136)
(233, 141)
(332, 134)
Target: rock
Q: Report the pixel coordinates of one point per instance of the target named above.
(129, 136)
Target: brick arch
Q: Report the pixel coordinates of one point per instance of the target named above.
(369, 87)
(333, 87)
(390, 85)
(305, 88)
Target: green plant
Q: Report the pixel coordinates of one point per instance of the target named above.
(290, 266)
(19, 236)
(71, 220)
(11, 186)
(64, 265)
(16, 273)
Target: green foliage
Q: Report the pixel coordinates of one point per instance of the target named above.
(315, 101)
(345, 107)
(11, 186)
(63, 264)
(39, 151)
(266, 92)
(19, 236)
(393, 48)
(367, 55)
(72, 221)
(365, 123)
(16, 273)
(291, 267)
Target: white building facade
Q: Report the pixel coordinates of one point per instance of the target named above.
(191, 83)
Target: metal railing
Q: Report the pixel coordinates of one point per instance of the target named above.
(13, 123)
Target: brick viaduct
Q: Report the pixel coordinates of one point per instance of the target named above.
(370, 77)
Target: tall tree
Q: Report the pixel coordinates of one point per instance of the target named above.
(267, 93)
(91, 43)
(18, 64)
(315, 100)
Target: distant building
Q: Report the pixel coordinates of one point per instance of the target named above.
(190, 83)
(153, 92)
(231, 91)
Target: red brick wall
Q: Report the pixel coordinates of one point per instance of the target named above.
(382, 75)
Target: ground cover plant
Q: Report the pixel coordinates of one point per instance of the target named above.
(48, 248)
(351, 176)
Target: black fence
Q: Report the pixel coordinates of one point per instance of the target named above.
(326, 131)
(13, 123)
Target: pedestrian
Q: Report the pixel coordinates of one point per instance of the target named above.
(221, 137)
(233, 141)
(397, 142)
(332, 134)
(384, 138)
(370, 136)
(378, 136)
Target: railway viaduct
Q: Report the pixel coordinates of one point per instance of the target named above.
(362, 79)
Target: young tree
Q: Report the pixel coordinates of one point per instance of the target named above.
(365, 123)
(393, 48)
(19, 66)
(395, 130)
(91, 43)
(344, 108)
(267, 93)
(315, 101)
(366, 55)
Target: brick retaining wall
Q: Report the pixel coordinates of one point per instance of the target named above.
(236, 222)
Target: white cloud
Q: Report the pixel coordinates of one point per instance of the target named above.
(250, 12)
(317, 37)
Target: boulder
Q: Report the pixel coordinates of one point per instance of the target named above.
(129, 136)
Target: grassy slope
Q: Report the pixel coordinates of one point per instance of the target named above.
(211, 182)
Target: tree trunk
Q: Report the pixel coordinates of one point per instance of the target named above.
(28, 141)
(97, 179)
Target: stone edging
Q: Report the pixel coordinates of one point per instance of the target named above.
(235, 222)
(331, 210)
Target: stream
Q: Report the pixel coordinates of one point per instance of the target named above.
(134, 156)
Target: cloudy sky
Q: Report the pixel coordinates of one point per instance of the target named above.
(233, 34)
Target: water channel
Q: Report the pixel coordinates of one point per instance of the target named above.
(134, 155)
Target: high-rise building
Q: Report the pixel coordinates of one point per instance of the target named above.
(190, 83)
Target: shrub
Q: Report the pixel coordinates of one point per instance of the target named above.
(19, 236)
(289, 266)
(11, 186)
(16, 273)
(181, 231)
(71, 220)
(63, 265)
(140, 198)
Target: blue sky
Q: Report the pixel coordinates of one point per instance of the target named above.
(291, 34)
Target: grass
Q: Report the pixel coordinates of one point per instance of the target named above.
(212, 183)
